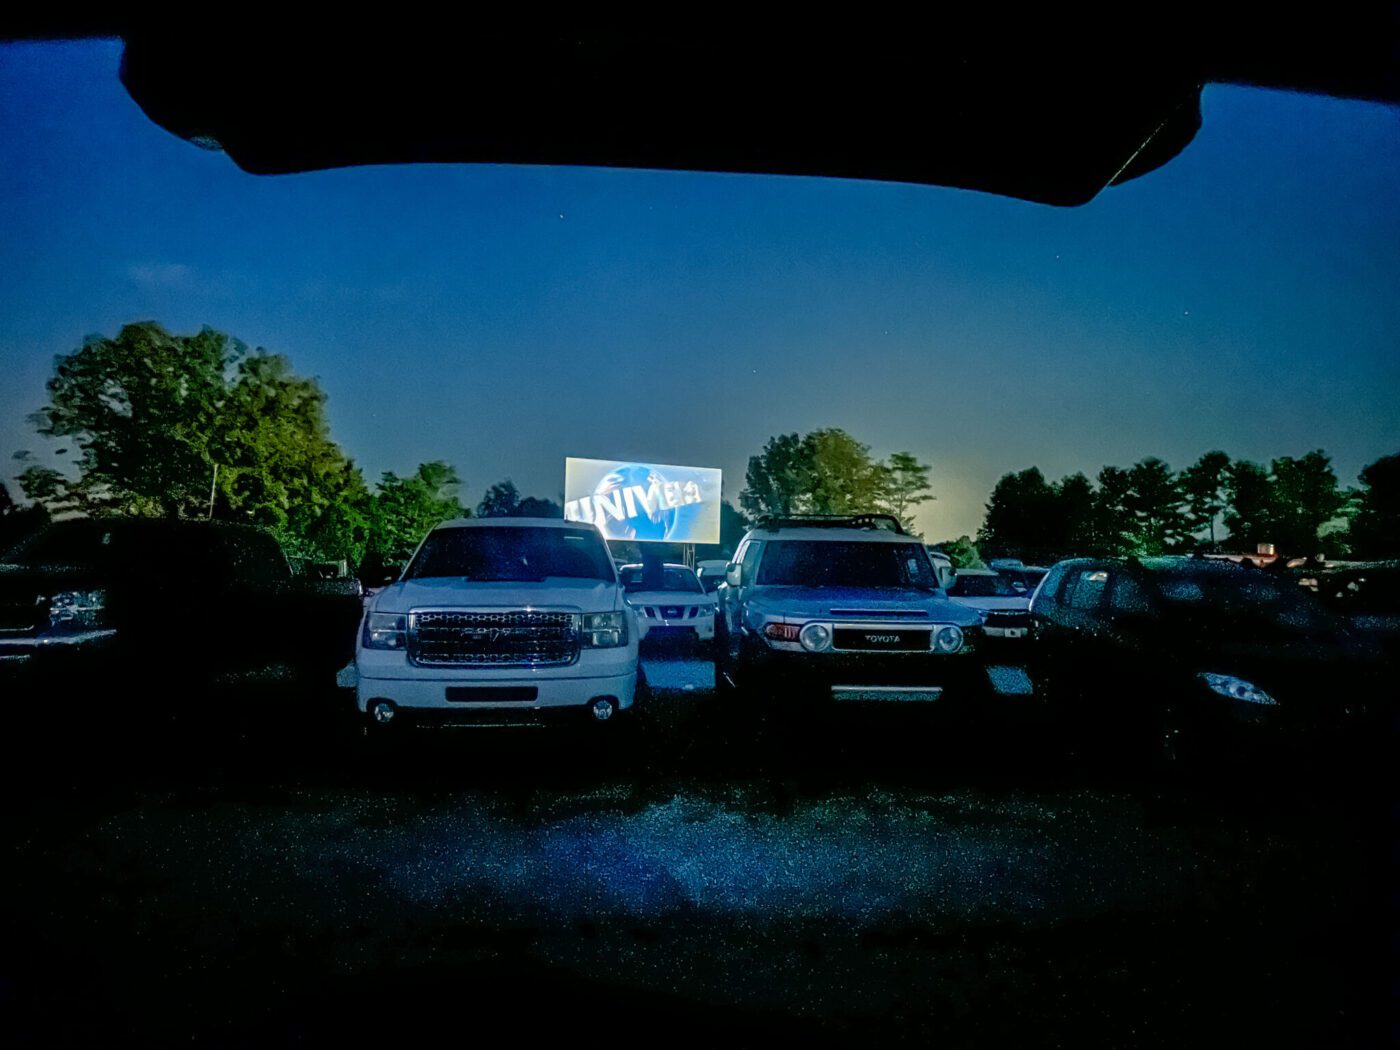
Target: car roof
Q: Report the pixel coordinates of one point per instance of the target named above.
(821, 534)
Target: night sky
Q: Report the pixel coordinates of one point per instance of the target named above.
(1246, 296)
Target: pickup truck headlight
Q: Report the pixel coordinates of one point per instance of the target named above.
(385, 631)
(1237, 689)
(75, 610)
(604, 630)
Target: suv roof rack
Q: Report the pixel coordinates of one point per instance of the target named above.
(832, 521)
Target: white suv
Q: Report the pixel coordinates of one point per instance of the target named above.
(500, 619)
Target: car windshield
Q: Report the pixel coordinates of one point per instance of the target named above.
(710, 582)
(979, 586)
(512, 553)
(837, 563)
(673, 578)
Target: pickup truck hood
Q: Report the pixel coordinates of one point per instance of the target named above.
(810, 603)
(453, 592)
(997, 604)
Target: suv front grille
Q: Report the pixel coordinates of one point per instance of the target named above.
(877, 639)
(493, 639)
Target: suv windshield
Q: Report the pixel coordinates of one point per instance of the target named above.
(512, 553)
(673, 579)
(836, 563)
(995, 586)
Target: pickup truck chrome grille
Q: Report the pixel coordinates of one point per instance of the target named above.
(468, 638)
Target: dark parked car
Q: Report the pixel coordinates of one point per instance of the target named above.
(1364, 594)
(132, 606)
(1188, 653)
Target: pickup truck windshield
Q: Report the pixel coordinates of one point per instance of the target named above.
(634, 579)
(513, 553)
(833, 563)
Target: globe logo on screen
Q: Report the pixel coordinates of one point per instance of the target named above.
(653, 522)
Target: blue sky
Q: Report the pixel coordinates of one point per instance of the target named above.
(1246, 296)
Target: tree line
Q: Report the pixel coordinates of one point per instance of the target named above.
(1297, 504)
(202, 426)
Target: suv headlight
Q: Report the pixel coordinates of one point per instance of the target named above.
(1237, 689)
(385, 631)
(70, 610)
(947, 639)
(815, 637)
(606, 630)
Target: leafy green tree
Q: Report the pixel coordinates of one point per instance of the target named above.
(1307, 497)
(824, 472)
(962, 552)
(777, 478)
(196, 426)
(1375, 531)
(1203, 486)
(844, 479)
(278, 466)
(906, 486)
(142, 409)
(403, 510)
(1154, 505)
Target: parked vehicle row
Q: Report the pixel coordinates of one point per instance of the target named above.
(147, 604)
(509, 620)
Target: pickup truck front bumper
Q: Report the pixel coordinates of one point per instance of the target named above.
(597, 673)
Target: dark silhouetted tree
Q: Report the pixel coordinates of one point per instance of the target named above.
(1203, 487)
(1375, 530)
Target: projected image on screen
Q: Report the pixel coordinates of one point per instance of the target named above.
(644, 502)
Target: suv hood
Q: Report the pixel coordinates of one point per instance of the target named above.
(810, 603)
(455, 592)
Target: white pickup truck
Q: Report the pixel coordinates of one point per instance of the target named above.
(500, 619)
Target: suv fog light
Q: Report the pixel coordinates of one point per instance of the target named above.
(382, 711)
(815, 637)
(948, 639)
(603, 708)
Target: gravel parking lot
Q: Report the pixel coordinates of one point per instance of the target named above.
(296, 887)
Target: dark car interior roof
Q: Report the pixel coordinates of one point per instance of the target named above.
(1048, 106)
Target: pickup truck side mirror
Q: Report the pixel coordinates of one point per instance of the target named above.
(731, 574)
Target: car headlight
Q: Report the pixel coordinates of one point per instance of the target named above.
(815, 637)
(1237, 689)
(72, 610)
(947, 639)
(606, 630)
(385, 631)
